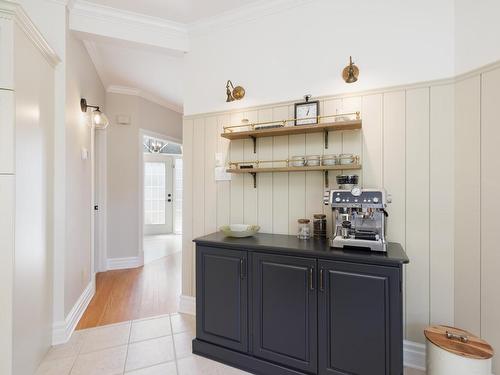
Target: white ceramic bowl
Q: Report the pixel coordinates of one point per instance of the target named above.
(239, 230)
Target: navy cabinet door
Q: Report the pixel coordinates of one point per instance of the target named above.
(285, 310)
(222, 297)
(360, 329)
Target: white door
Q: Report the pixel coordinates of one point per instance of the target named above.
(178, 196)
(158, 200)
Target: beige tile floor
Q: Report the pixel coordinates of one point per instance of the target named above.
(153, 346)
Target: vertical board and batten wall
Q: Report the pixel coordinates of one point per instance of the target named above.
(477, 175)
(406, 145)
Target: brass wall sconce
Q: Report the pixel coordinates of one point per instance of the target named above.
(234, 93)
(350, 72)
(99, 119)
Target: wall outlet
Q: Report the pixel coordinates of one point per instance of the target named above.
(84, 153)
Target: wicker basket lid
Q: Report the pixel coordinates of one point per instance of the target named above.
(459, 342)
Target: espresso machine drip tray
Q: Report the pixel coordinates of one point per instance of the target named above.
(366, 235)
(348, 243)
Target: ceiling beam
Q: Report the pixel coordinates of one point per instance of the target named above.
(114, 23)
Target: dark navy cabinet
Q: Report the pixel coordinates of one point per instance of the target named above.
(285, 310)
(274, 305)
(359, 314)
(222, 306)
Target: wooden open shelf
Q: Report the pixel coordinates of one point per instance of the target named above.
(321, 168)
(291, 130)
(337, 167)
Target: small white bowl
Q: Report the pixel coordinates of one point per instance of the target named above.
(239, 230)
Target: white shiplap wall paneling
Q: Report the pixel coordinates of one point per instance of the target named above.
(352, 140)
(297, 184)
(199, 177)
(394, 165)
(223, 187)
(468, 216)
(280, 180)
(372, 141)
(490, 207)
(237, 180)
(210, 186)
(265, 180)
(417, 211)
(441, 204)
(250, 204)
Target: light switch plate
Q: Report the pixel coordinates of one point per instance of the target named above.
(85, 153)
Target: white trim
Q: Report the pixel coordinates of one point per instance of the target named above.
(414, 355)
(187, 304)
(12, 10)
(410, 86)
(62, 331)
(242, 15)
(124, 263)
(116, 23)
(124, 90)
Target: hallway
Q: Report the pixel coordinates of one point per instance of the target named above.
(138, 293)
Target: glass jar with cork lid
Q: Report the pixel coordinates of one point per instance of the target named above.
(304, 229)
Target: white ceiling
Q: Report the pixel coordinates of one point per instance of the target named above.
(139, 45)
(153, 72)
(184, 11)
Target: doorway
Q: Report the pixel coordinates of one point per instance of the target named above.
(162, 192)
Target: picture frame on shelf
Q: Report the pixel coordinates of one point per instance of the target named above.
(306, 113)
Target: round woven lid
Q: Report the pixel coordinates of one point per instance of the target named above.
(459, 342)
(319, 216)
(304, 221)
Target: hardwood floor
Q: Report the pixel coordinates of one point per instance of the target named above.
(143, 292)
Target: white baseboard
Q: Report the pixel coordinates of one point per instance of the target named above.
(62, 331)
(187, 305)
(414, 355)
(124, 263)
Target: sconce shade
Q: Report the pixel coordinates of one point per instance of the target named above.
(99, 119)
(234, 93)
(350, 72)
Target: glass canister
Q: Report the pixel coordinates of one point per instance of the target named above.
(304, 229)
(319, 226)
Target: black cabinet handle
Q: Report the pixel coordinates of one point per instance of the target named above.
(242, 269)
(311, 279)
(321, 280)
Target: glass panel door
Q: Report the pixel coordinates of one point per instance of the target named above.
(154, 191)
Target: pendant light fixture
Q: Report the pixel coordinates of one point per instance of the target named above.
(234, 93)
(99, 119)
(350, 72)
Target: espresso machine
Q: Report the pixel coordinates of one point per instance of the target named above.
(359, 218)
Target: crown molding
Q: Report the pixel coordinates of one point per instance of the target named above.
(14, 11)
(115, 23)
(243, 14)
(124, 90)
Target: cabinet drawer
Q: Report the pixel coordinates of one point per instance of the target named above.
(7, 119)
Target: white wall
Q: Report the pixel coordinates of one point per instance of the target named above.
(405, 131)
(123, 167)
(34, 90)
(304, 49)
(476, 33)
(477, 182)
(82, 81)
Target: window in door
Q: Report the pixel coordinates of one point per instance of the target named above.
(154, 189)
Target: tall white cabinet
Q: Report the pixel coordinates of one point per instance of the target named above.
(26, 130)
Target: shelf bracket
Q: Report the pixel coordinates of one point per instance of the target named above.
(254, 175)
(254, 139)
(326, 138)
(327, 185)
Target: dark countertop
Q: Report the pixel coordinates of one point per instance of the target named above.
(291, 245)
